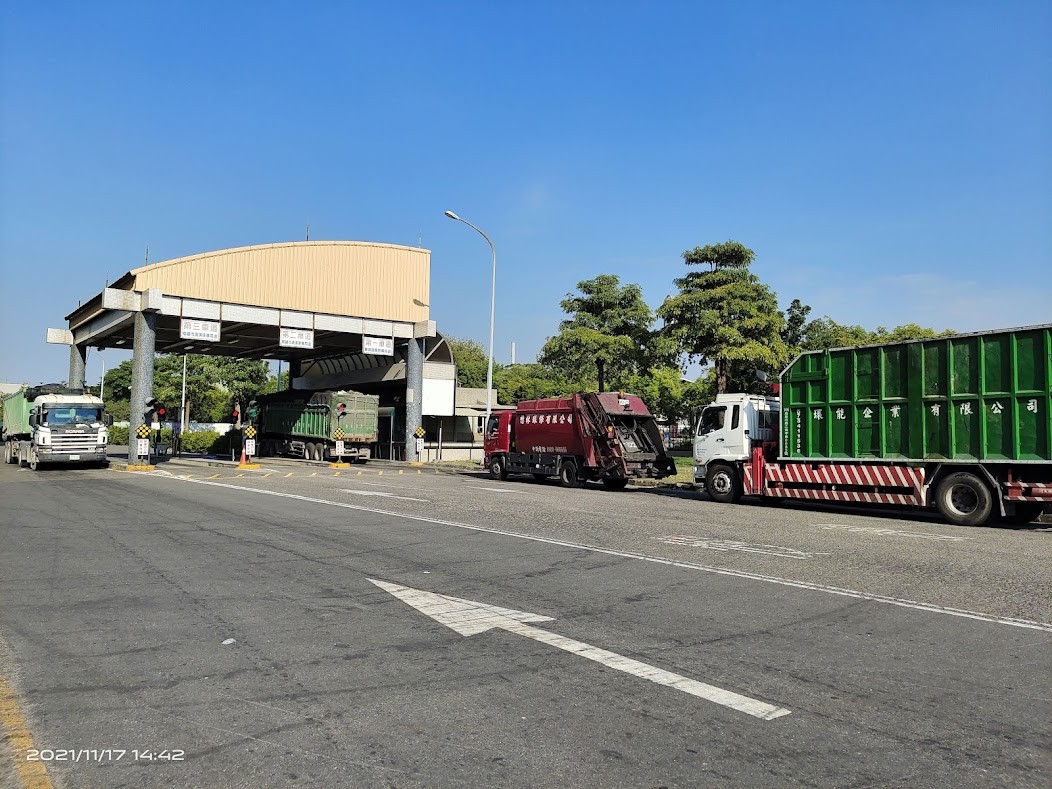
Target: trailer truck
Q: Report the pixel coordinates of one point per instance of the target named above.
(960, 424)
(306, 424)
(54, 424)
(606, 436)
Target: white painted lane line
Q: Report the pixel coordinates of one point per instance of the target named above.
(382, 493)
(713, 544)
(498, 490)
(833, 590)
(469, 618)
(892, 532)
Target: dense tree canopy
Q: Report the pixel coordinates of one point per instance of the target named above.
(609, 330)
(724, 315)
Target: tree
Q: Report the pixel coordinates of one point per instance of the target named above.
(517, 382)
(212, 383)
(795, 325)
(823, 333)
(725, 315)
(662, 390)
(472, 362)
(609, 335)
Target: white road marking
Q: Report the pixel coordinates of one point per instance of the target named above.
(469, 618)
(833, 590)
(383, 493)
(892, 532)
(714, 544)
(498, 490)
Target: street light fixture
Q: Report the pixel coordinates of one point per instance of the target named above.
(492, 306)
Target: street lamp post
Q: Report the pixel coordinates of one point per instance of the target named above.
(492, 307)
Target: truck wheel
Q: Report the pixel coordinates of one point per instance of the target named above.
(1025, 512)
(8, 458)
(723, 484)
(497, 470)
(611, 483)
(568, 475)
(308, 451)
(34, 464)
(964, 500)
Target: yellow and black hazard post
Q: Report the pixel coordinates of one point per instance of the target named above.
(338, 435)
(248, 447)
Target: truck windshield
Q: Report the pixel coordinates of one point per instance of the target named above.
(712, 419)
(72, 414)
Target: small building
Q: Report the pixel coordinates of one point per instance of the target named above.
(460, 437)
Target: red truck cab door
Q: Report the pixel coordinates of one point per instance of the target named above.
(498, 432)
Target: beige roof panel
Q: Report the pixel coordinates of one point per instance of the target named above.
(360, 279)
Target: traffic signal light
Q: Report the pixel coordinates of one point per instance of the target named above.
(162, 413)
(235, 414)
(253, 409)
(341, 410)
(154, 408)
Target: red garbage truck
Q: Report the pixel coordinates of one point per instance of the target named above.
(596, 436)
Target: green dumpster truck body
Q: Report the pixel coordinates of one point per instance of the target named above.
(318, 424)
(962, 424)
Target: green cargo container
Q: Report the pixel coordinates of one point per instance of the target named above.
(970, 397)
(305, 414)
(16, 414)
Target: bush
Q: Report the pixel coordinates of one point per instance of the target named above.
(200, 442)
(118, 436)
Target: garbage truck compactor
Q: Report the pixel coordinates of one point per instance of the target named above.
(606, 436)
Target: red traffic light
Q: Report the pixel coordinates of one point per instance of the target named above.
(162, 412)
(341, 407)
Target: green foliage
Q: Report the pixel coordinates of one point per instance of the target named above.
(726, 315)
(212, 383)
(472, 362)
(662, 390)
(517, 382)
(823, 333)
(611, 326)
(118, 435)
(199, 442)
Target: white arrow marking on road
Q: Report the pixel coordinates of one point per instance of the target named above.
(469, 618)
(380, 493)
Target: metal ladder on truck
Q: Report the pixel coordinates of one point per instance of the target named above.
(608, 449)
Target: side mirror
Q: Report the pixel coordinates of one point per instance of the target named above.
(32, 420)
(107, 419)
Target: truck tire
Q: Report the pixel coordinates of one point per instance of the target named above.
(1025, 512)
(497, 469)
(612, 483)
(308, 451)
(8, 455)
(34, 464)
(723, 484)
(568, 477)
(964, 500)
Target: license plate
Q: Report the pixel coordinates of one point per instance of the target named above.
(74, 457)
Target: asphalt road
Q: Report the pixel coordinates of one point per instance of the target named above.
(670, 635)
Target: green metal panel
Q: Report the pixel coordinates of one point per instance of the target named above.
(315, 414)
(984, 396)
(16, 413)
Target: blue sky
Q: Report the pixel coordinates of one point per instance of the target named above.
(888, 162)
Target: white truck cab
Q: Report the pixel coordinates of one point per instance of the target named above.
(724, 438)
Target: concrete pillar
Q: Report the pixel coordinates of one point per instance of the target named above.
(414, 387)
(142, 374)
(78, 360)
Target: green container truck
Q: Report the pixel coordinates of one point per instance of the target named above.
(962, 424)
(318, 424)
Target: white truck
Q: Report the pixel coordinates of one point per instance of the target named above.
(53, 424)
